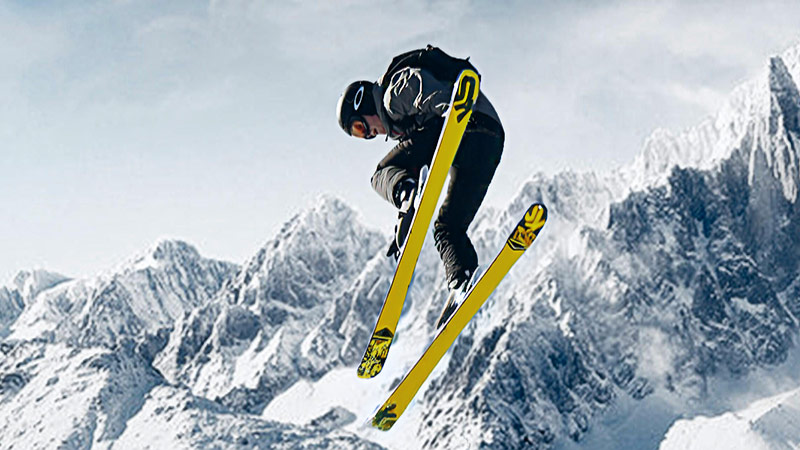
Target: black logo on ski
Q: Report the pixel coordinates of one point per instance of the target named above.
(385, 418)
(463, 102)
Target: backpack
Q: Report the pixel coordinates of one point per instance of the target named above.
(443, 66)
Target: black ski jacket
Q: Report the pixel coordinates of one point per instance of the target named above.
(416, 98)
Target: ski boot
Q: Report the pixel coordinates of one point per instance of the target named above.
(459, 289)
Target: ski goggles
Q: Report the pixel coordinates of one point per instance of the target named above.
(359, 129)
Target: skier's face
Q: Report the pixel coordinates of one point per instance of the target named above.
(367, 128)
(359, 129)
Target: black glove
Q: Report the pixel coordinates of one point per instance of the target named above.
(404, 218)
(404, 192)
(394, 250)
(401, 230)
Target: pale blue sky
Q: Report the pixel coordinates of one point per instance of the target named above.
(126, 121)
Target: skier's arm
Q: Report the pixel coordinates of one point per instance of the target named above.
(416, 93)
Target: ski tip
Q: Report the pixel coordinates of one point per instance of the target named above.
(528, 228)
(466, 95)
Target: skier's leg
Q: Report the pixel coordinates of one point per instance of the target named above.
(403, 163)
(396, 180)
(472, 171)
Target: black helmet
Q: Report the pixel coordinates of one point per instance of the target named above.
(355, 103)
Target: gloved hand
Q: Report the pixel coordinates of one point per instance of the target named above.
(394, 250)
(400, 233)
(404, 195)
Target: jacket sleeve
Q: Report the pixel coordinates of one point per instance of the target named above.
(416, 93)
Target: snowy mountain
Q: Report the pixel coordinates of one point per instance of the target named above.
(648, 284)
(649, 288)
(146, 293)
(77, 369)
(58, 396)
(688, 274)
(281, 317)
(25, 286)
(64, 396)
(174, 418)
(758, 119)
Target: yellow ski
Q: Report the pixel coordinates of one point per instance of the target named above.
(465, 93)
(522, 237)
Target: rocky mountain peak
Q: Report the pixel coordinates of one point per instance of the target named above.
(166, 249)
(161, 254)
(758, 123)
(313, 254)
(785, 97)
(30, 282)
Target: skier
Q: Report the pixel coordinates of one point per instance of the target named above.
(410, 110)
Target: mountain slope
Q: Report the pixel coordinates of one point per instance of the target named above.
(27, 284)
(691, 277)
(653, 281)
(143, 295)
(771, 423)
(173, 418)
(278, 320)
(59, 396)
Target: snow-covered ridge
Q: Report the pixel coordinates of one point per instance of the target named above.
(651, 279)
(26, 285)
(53, 395)
(318, 248)
(162, 253)
(148, 292)
(279, 318)
(172, 417)
(78, 370)
(761, 115)
(30, 283)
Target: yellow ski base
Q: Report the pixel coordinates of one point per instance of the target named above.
(522, 237)
(465, 94)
